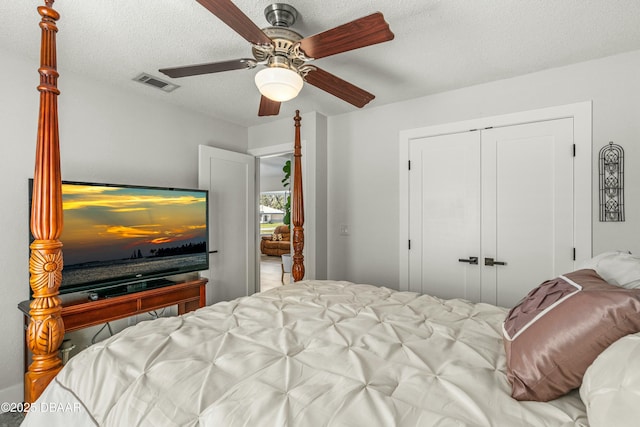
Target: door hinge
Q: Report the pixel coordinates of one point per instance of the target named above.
(409, 244)
(409, 164)
(574, 150)
(574, 254)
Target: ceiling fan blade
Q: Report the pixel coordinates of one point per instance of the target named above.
(362, 32)
(268, 107)
(212, 67)
(237, 20)
(338, 87)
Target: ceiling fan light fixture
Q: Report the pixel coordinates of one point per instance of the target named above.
(279, 84)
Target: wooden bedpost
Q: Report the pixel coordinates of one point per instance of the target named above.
(297, 271)
(46, 329)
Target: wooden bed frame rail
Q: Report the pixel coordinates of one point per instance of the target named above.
(46, 329)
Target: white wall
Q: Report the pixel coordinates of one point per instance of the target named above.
(363, 156)
(106, 135)
(271, 183)
(271, 173)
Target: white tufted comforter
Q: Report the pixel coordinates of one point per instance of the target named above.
(315, 353)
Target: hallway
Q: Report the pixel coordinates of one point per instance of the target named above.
(271, 272)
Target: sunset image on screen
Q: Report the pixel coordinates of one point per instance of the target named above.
(110, 222)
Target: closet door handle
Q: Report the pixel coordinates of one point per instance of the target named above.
(490, 262)
(472, 260)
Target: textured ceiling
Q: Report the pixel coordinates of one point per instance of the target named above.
(439, 45)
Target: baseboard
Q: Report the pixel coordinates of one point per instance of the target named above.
(13, 394)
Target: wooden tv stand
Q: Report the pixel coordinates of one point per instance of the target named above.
(82, 312)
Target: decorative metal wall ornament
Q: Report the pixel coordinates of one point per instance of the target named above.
(611, 168)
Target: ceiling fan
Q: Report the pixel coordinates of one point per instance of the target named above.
(287, 55)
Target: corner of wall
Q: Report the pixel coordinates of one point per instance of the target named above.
(321, 196)
(12, 394)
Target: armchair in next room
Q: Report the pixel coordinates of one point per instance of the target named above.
(277, 243)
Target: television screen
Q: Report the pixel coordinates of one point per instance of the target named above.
(116, 234)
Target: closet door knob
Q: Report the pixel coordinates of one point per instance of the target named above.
(491, 262)
(472, 260)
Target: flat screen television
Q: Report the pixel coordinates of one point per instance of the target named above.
(126, 234)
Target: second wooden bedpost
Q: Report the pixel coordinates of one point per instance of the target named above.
(46, 329)
(297, 271)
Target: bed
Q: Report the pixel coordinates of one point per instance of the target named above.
(310, 353)
(330, 352)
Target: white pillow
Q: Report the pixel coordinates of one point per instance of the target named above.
(611, 385)
(617, 268)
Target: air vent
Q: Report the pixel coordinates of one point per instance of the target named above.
(148, 79)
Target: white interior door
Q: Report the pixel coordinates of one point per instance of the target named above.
(444, 193)
(230, 179)
(503, 195)
(527, 199)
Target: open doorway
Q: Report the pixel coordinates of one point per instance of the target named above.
(274, 220)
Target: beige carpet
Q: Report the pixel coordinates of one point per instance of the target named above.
(11, 419)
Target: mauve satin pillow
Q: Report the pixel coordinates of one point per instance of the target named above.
(554, 334)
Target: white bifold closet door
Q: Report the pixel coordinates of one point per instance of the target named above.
(491, 211)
